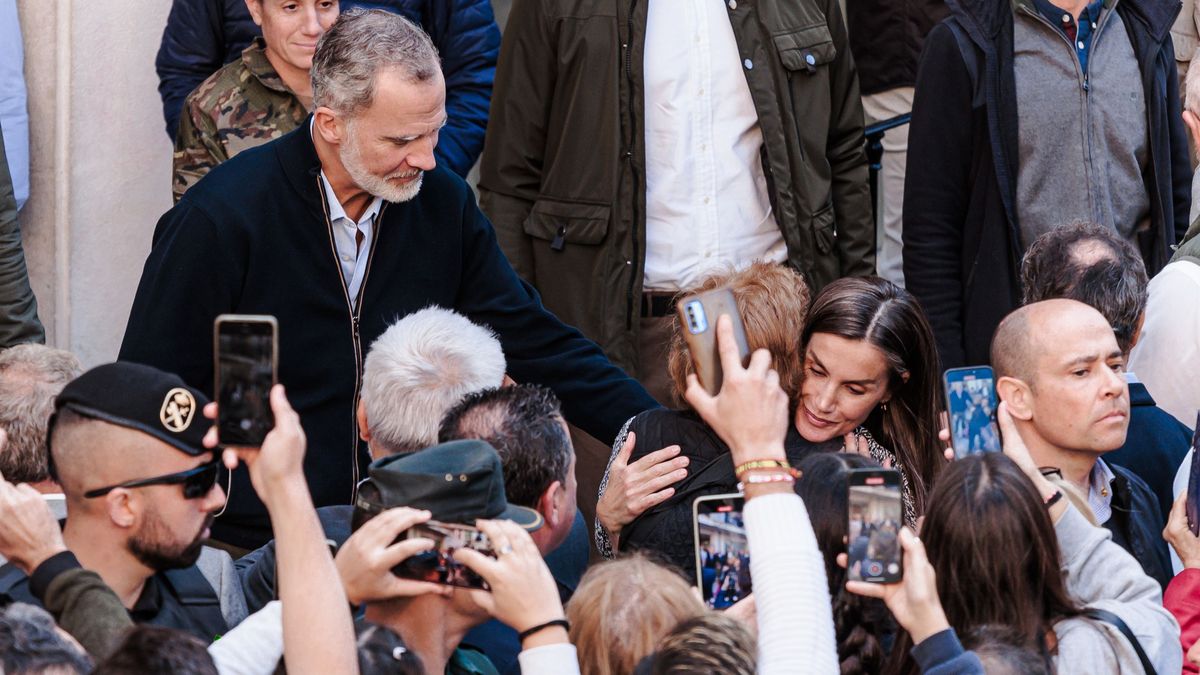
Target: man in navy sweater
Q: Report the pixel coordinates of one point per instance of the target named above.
(337, 229)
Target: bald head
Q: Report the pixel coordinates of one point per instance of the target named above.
(1029, 333)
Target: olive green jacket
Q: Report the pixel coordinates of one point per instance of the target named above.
(19, 321)
(563, 170)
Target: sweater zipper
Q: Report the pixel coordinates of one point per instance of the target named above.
(355, 311)
(627, 47)
(1084, 86)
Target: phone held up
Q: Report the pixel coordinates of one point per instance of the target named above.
(873, 537)
(971, 404)
(246, 356)
(437, 565)
(722, 549)
(698, 315)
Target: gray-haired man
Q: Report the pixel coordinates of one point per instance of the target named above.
(337, 229)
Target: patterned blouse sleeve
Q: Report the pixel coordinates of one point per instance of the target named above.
(886, 457)
(603, 542)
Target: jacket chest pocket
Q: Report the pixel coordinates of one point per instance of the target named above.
(806, 49)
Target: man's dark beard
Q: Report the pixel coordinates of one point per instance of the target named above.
(153, 555)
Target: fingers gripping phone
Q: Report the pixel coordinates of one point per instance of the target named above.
(722, 550)
(246, 359)
(698, 316)
(438, 565)
(971, 404)
(873, 538)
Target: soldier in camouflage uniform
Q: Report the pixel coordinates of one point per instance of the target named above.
(248, 102)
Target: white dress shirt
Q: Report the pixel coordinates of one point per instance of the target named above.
(707, 207)
(351, 254)
(1167, 355)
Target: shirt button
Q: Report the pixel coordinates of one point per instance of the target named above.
(706, 200)
(1079, 44)
(347, 258)
(749, 64)
(1066, 18)
(732, 4)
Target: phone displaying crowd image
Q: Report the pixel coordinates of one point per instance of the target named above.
(245, 349)
(698, 315)
(438, 565)
(722, 550)
(873, 537)
(971, 406)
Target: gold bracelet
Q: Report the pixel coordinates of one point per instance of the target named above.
(761, 464)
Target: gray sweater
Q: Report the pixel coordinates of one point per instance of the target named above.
(1084, 148)
(1101, 574)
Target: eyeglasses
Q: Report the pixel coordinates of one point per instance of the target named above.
(196, 482)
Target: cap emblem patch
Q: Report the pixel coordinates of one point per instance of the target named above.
(177, 411)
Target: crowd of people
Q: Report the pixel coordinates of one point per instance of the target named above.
(488, 445)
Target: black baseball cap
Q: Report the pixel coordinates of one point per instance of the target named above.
(458, 482)
(141, 398)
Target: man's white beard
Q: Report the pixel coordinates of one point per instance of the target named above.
(375, 185)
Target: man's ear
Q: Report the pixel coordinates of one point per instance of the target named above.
(1017, 395)
(552, 504)
(124, 509)
(364, 430)
(331, 127)
(1137, 334)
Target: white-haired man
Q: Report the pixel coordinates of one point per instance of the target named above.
(337, 229)
(417, 370)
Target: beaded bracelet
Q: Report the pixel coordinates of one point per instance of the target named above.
(762, 478)
(761, 464)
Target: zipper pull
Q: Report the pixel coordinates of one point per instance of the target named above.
(1085, 82)
(560, 239)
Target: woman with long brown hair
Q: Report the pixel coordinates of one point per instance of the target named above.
(1009, 551)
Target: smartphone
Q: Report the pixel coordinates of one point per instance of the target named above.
(873, 536)
(971, 406)
(722, 549)
(1193, 489)
(698, 315)
(246, 355)
(438, 564)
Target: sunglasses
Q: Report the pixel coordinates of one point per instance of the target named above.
(196, 482)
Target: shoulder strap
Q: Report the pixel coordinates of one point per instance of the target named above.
(1116, 621)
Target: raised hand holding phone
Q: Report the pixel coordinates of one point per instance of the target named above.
(914, 600)
(751, 411)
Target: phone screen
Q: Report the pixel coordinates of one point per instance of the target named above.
(437, 564)
(971, 402)
(722, 550)
(1193, 490)
(245, 374)
(873, 537)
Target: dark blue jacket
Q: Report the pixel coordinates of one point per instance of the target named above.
(1154, 447)
(203, 35)
(253, 237)
(1136, 524)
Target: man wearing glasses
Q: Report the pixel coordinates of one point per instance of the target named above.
(141, 491)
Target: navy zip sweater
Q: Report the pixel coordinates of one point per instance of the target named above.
(253, 237)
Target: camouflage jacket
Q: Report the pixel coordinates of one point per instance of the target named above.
(242, 105)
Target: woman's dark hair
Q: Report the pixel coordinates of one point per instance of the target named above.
(993, 546)
(858, 622)
(157, 649)
(889, 318)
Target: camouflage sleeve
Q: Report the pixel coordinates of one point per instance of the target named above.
(197, 147)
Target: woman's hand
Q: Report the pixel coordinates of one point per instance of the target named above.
(634, 488)
(750, 413)
(524, 593)
(914, 600)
